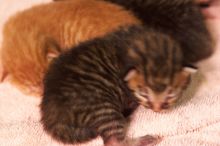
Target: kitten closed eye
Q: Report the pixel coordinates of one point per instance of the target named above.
(144, 94)
(165, 105)
(170, 96)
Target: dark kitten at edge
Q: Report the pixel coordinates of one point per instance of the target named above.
(85, 94)
(181, 19)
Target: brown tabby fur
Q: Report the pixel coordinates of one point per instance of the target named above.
(86, 92)
(32, 37)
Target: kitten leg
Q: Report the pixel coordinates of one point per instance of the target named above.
(113, 128)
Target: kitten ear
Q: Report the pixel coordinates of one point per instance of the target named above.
(184, 77)
(190, 69)
(53, 50)
(52, 54)
(130, 74)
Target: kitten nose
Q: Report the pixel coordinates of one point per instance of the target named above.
(157, 107)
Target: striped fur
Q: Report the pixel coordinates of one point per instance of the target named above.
(85, 94)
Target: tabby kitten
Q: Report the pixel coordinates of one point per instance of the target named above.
(182, 20)
(33, 37)
(86, 92)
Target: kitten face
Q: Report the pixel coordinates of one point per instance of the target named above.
(158, 93)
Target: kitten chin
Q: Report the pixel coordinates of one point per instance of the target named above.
(30, 41)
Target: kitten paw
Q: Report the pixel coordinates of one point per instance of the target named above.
(147, 140)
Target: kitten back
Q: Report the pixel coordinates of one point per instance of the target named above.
(31, 41)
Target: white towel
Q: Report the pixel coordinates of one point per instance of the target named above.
(194, 122)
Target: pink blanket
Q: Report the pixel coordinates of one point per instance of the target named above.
(195, 121)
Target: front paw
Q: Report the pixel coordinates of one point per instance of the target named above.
(146, 140)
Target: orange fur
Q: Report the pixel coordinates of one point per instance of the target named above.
(32, 37)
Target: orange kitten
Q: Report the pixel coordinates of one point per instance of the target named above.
(33, 37)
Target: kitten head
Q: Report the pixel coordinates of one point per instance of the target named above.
(159, 76)
(158, 93)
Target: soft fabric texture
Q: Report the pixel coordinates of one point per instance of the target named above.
(194, 121)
